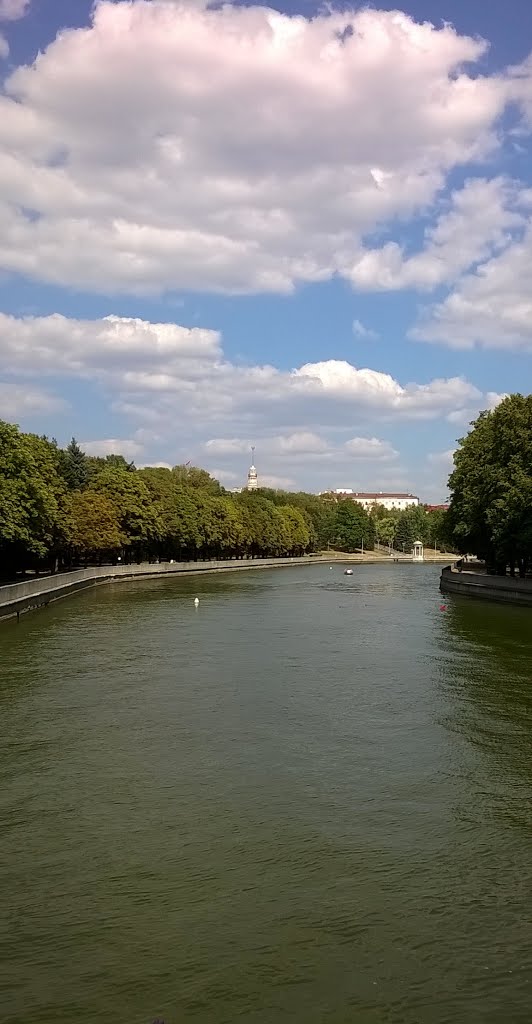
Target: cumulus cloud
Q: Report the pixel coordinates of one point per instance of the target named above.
(182, 398)
(166, 369)
(479, 219)
(370, 448)
(490, 307)
(232, 148)
(494, 398)
(57, 343)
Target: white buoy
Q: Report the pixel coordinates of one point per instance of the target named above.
(196, 601)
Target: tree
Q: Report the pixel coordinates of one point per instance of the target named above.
(97, 463)
(352, 526)
(386, 529)
(411, 527)
(93, 524)
(139, 517)
(199, 479)
(491, 487)
(436, 533)
(74, 467)
(298, 533)
(31, 498)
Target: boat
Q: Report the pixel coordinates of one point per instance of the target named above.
(348, 572)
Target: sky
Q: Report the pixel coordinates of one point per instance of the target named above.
(306, 228)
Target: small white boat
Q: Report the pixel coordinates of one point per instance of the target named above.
(348, 572)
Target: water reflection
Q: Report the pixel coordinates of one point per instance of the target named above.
(486, 675)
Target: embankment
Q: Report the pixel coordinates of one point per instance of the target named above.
(504, 589)
(17, 598)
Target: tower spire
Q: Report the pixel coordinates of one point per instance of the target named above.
(252, 472)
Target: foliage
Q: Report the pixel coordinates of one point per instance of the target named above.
(490, 514)
(63, 505)
(138, 515)
(31, 496)
(353, 527)
(411, 527)
(93, 524)
(74, 466)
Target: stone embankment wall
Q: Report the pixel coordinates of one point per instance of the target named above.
(16, 598)
(488, 588)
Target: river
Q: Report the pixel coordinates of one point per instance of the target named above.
(307, 800)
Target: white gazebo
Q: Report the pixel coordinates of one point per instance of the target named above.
(417, 552)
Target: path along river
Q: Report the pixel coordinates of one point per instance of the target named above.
(309, 800)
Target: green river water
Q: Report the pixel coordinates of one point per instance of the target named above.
(307, 801)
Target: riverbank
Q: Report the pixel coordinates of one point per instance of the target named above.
(470, 583)
(18, 598)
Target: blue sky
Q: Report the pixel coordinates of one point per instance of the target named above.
(304, 230)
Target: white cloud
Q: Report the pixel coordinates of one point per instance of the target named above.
(479, 219)
(164, 370)
(370, 448)
(130, 161)
(19, 400)
(302, 442)
(377, 390)
(491, 307)
(113, 446)
(277, 482)
(226, 446)
(56, 343)
(181, 398)
(494, 398)
(4, 47)
(12, 10)
(360, 331)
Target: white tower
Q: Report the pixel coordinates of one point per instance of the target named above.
(252, 473)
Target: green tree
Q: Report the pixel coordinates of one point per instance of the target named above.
(139, 517)
(298, 533)
(196, 478)
(490, 487)
(74, 467)
(386, 529)
(32, 490)
(411, 527)
(93, 524)
(436, 534)
(352, 526)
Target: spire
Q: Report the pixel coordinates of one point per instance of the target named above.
(252, 473)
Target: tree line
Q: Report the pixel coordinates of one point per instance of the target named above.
(60, 507)
(490, 513)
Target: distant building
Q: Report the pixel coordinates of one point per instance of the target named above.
(253, 481)
(436, 508)
(368, 499)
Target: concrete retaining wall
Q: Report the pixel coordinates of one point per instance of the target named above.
(17, 598)
(486, 588)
